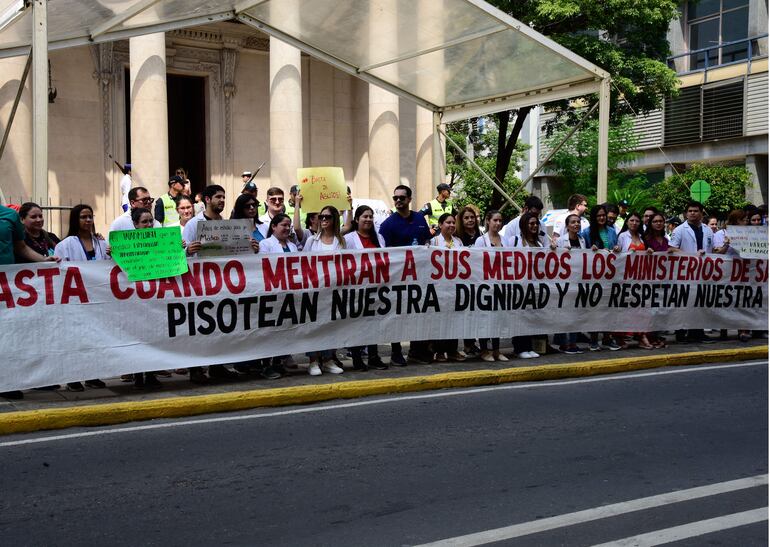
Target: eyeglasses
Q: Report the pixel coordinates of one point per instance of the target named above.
(146, 201)
(325, 217)
(400, 198)
(275, 200)
(250, 206)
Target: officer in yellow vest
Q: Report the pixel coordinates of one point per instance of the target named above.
(437, 207)
(165, 207)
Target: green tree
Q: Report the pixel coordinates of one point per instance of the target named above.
(576, 162)
(728, 189)
(627, 39)
(469, 186)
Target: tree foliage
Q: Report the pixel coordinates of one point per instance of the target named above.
(626, 38)
(728, 189)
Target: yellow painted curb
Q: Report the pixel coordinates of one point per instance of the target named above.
(175, 407)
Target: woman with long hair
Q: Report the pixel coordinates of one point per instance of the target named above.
(81, 244)
(530, 234)
(364, 236)
(569, 240)
(598, 235)
(467, 225)
(36, 238)
(493, 223)
(630, 237)
(329, 237)
(246, 207)
(446, 349)
(655, 234)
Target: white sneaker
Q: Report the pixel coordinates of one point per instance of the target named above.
(524, 355)
(314, 369)
(533, 355)
(501, 357)
(331, 368)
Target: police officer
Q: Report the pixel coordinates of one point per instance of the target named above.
(293, 191)
(437, 207)
(165, 207)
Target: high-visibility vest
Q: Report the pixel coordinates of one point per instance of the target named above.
(437, 209)
(170, 216)
(290, 212)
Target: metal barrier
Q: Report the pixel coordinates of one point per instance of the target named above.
(710, 56)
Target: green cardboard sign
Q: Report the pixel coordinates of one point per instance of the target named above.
(700, 191)
(149, 253)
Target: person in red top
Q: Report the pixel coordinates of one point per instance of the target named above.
(364, 236)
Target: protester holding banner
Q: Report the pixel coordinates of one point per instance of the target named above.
(467, 226)
(137, 197)
(736, 217)
(363, 235)
(405, 228)
(493, 222)
(630, 237)
(278, 236)
(81, 242)
(185, 208)
(36, 238)
(533, 205)
(755, 218)
(572, 238)
(328, 237)
(598, 235)
(530, 234)
(655, 233)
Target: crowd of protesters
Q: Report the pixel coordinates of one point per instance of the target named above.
(283, 227)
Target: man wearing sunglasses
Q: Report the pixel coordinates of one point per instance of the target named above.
(276, 205)
(138, 197)
(405, 228)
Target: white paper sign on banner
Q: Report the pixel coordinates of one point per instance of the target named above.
(748, 241)
(96, 323)
(224, 237)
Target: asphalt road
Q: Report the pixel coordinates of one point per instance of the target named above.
(415, 469)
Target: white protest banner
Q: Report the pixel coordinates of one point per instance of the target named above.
(95, 323)
(224, 237)
(748, 241)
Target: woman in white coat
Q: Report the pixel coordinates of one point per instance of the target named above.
(493, 223)
(81, 244)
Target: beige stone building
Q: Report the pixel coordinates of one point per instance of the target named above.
(217, 100)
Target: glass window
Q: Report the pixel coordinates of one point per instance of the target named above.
(702, 8)
(703, 35)
(735, 26)
(730, 4)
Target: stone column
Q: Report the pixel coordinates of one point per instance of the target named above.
(285, 114)
(757, 166)
(149, 113)
(384, 162)
(16, 163)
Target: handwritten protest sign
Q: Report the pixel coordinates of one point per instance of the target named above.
(748, 241)
(224, 237)
(151, 253)
(322, 186)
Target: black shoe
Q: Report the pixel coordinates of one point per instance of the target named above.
(358, 362)
(14, 395)
(376, 363)
(337, 362)
(707, 340)
(422, 358)
(243, 369)
(96, 384)
(151, 381)
(75, 386)
(397, 360)
(139, 380)
(197, 377)
(47, 388)
(269, 373)
(222, 373)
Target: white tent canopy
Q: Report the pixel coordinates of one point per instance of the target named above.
(458, 58)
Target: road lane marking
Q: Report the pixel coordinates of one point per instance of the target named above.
(604, 511)
(693, 529)
(366, 402)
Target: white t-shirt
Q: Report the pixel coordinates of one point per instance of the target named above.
(124, 222)
(316, 244)
(125, 188)
(719, 241)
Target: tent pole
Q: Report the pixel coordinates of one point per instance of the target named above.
(604, 132)
(439, 175)
(15, 105)
(40, 101)
(489, 179)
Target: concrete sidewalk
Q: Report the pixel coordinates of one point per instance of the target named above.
(120, 402)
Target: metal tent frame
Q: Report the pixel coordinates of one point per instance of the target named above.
(465, 60)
